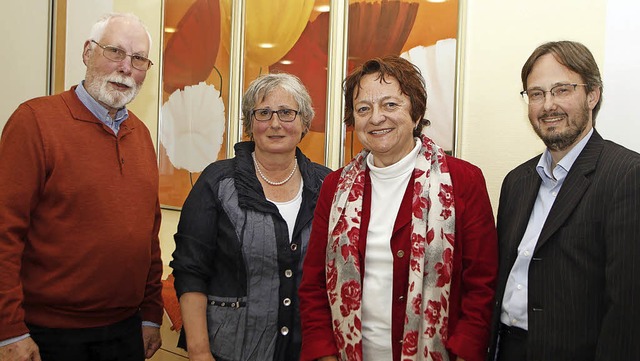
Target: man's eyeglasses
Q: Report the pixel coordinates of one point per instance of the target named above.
(285, 115)
(559, 92)
(114, 53)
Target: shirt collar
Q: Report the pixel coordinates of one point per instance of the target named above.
(564, 165)
(97, 109)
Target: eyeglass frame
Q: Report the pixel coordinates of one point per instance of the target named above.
(253, 114)
(122, 51)
(525, 93)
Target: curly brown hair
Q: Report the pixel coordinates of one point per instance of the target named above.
(408, 76)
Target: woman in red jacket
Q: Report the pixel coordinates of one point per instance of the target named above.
(402, 258)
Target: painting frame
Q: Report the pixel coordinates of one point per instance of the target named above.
(335, 134)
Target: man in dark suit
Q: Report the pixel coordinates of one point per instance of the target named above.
(568, 226)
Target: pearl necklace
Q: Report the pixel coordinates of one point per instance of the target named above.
(295, 166)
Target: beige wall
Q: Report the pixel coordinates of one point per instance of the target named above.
(23, 65)
(494, 132)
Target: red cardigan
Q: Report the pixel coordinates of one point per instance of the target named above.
(475, 266)
(79, 219)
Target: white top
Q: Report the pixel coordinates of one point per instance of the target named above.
(388, 186)
(289, 209)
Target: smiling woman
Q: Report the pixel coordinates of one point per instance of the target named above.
(386, 107)
(383, 120)
(360, 260)
(249, 218)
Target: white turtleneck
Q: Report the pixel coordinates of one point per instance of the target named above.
(388, 186)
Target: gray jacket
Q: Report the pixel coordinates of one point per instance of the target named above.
(233, 245)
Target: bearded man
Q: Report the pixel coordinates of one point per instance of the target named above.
(79, 213)
(568, 225)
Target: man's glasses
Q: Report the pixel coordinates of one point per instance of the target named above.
(285, 115)
(559, 92)
(116, 54)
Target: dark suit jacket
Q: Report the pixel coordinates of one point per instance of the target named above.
(584, 284)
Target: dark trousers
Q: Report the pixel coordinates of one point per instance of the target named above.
(513, 344)
(121, 341)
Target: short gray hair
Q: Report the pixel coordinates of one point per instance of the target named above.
(265, 84)
(97, 30)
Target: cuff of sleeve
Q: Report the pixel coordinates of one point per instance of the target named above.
(468, 348)
(185, 282)
(14, 339)
(314, 350)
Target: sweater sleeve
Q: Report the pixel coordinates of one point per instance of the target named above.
(478, 241)
(152, 307)
(315, 312)
(22, 174)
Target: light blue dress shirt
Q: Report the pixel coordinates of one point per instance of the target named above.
(514, 302)
(101, 112)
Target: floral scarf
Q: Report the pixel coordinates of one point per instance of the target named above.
(432, 237)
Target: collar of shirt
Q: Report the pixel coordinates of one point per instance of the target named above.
(564, 165)
(99, 111)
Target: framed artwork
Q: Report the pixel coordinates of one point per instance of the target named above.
(212, 50)
(423, 32)
(208, 51)
(194, 95)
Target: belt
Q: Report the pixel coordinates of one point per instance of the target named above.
(513, 331)
(232, 304)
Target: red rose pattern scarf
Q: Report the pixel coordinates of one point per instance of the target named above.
(432, 237)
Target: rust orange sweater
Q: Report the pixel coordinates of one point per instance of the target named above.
(79, 219)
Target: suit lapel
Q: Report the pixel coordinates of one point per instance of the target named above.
(574, 187)
(527, 185)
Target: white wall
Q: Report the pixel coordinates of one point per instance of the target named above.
(619, 117)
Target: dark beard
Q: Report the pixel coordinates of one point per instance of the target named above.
(566, 139)
(560, 141)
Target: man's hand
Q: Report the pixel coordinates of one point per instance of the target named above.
(151, 339)
(23, 350)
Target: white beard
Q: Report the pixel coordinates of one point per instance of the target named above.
(98, 87)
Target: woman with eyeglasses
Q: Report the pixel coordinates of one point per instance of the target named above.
(243, 233)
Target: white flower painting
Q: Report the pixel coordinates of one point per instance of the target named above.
(192, 125)
(437, 63)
